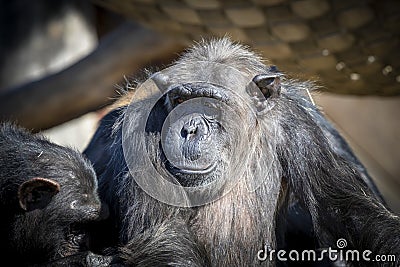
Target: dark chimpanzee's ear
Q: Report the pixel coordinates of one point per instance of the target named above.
(269, 83)
(37, 193)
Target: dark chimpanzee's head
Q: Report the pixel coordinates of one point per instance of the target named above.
(47, 194)
(191, 127)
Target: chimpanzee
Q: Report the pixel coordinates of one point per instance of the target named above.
(48, 193)
(220, 157)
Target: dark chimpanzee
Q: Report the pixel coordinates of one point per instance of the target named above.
(220, 157)
(47, 194)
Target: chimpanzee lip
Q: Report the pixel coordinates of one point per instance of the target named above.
(207, 170)
(192, 170)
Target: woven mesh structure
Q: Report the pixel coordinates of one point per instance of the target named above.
(349, 46)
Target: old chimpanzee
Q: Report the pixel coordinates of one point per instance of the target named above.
(200, 168)
(47, 194)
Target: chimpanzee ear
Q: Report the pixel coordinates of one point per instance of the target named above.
(37, 193)
(269, 84)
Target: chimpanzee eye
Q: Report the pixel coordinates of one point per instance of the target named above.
(179, 100)
(176, 99)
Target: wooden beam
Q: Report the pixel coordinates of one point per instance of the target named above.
(90, 83)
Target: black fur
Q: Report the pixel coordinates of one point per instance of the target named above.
(48, 194)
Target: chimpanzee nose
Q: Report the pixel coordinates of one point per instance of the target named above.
(191, 128)
(188, 131)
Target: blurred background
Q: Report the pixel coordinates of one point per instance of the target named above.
(62, 62)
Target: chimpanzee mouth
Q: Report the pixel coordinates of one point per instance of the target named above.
(190, 170)
(192, 177)
(75, 240)
(194, 170)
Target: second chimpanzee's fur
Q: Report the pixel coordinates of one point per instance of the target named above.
(297, 157)
(47, 194)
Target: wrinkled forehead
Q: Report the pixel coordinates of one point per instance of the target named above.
(205, 71)
(227, 78)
